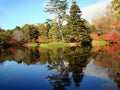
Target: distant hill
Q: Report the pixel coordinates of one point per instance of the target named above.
(93, 11)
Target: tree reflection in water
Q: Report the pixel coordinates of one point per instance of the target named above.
(67, 64)
(117, 79)
(77, 62)
(108, 57)
(61, 79)
(76, 58)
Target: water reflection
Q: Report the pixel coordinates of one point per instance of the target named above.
(63, 69)
(108, 58)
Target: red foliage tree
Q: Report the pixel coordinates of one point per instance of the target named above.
(114, 36)
(111, 36)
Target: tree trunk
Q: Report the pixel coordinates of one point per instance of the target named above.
(60, 22)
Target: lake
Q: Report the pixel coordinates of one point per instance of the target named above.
(71, 68)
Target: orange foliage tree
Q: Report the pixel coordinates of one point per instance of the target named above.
(116, 25)
(102, 24)
(95, 36)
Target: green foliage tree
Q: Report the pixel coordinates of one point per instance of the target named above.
(4, 36)
(53, 32)
(34, 33)
(58, 7)
(17, 28)
(43, 31)
(30, 32)
(116, 7)
(77, 30)
(25, 30)
(48, 25)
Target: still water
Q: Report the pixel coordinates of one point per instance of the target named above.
(72, 68)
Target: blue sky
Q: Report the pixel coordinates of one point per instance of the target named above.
(19, 12)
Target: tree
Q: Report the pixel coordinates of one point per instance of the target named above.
(58, 7)
(48, 25)
(116, 7)
(25, 30)
(77, 30)
(53, 33)
(43, 32)
(102, 24)
(34, 33)
(1, 30)
(116, 25)
(4, 35)
(16, 36)
(30, 31)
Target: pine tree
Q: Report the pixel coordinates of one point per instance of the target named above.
(58, 7)
(77, 31)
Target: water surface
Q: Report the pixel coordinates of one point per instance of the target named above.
(72, 68)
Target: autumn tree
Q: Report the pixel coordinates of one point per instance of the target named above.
(58, 7)
(116, 25)
(16, 36)
(102, 24)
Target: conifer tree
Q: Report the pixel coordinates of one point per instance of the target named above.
(77, 31)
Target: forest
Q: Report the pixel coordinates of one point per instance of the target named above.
(67, 28)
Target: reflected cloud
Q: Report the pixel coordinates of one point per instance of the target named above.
(97, 71)
(95, 83)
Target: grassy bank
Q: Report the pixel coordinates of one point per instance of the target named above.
(54, 45)
(59, 45)
(99, 43)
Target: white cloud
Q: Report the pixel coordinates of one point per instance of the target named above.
(93, 11)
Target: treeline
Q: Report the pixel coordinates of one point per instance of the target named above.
(66, 27)
(76, 28)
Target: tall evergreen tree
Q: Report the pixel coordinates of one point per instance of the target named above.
(77, 31)
(58, 7)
